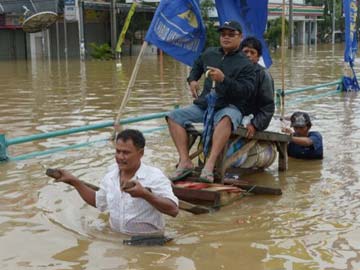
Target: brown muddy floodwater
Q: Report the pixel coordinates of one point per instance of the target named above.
(315, 224)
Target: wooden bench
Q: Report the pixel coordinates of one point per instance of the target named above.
(224, 163)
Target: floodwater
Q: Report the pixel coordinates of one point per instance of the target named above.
(315, 224)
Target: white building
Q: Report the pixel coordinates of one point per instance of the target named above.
(305, 18)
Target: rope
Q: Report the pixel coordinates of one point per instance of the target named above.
(246, 193)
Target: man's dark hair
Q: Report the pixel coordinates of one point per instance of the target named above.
(300, 119)
(132, 134)
(251, 42)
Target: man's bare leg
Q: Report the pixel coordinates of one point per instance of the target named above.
(180, 138)
(220, 137)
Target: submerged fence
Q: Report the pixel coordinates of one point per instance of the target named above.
(321, 89)
(5, 142)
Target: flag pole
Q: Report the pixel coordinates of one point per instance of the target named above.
(283, 59)
(129, 88)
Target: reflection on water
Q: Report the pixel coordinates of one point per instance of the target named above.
(313, 225)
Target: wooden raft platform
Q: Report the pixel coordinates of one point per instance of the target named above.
(224, 163)
(200, 198)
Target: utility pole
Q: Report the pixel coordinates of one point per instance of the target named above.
(113, 23)
(291, 25)
(81, 30)
(65, 40)
(333, 22)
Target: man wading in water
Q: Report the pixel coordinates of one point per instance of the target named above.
(134, 193)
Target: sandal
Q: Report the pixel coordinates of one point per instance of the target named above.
(206, 176)
(180, 173)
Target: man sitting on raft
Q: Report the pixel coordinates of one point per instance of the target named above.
(262, 106)
(234, 75)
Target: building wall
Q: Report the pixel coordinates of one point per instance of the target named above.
(13, 44)
(72, 40)
(93, 32)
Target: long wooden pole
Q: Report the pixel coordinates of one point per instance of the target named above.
(130, 86)
(283, 59)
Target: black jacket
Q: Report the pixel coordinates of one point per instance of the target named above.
(262, 105)
(238, 85)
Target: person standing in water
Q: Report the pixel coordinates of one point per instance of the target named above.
(135, 194)
(305, 144)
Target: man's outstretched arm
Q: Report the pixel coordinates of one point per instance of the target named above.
(86, 193)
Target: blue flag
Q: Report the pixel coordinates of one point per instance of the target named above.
(177, 29)
(350, 10)
(251, 14)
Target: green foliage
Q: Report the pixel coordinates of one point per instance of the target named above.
(273, 33)
(212, 35)
(101, 51)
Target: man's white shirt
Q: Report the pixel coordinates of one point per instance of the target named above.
(134, 215)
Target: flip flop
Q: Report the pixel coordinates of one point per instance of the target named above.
(206, 176)
(181, 173)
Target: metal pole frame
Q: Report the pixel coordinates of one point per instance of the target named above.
(3, 146)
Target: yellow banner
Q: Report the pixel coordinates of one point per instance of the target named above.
(125, 27)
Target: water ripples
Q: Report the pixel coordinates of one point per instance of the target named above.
(313, 225)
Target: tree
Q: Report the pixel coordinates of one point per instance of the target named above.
(273, 33)
(212, 35)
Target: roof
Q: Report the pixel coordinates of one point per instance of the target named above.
(35, 6)
(298, 10)
(17, 6)
(105, 5)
